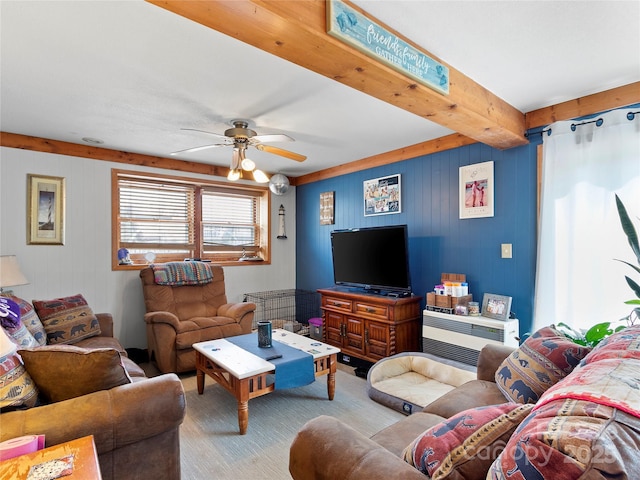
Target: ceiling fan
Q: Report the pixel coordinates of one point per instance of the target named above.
(241, 137)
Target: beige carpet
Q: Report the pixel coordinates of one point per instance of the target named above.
(212, 448)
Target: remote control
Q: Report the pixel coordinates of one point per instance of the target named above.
(273, 357)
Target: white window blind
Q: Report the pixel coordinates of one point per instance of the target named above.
(229, 221)
(178, 219)
(156, 215)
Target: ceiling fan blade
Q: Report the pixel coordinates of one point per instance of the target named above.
(282, 152)
(197, 149)
(276, 137)
(204, 131)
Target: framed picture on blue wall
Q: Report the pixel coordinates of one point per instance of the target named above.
(476, 190)
(382, 196)
(326, 208)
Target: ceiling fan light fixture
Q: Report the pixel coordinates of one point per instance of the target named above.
(260, 177)
(233, 175)
(248, 164)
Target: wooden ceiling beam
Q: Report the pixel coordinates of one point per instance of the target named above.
(296, 31)
(405, 153)
(38, 144)
(588, 105)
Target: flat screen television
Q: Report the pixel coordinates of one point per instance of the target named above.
(375, 259)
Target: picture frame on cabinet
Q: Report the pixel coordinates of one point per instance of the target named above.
(477, 198)
(496, 306)
(382, 196)
(45, 210)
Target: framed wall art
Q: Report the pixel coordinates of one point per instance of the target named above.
(326, 208)
(476, 191)
(382, 196)
(496, 306)
(45, 210)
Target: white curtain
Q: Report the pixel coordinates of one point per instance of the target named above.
(578, 282)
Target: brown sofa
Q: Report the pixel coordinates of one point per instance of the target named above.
(583, 424)
(328, 449)
(179, 316)
(135, 426)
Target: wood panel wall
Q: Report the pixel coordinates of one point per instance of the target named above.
(438, 240)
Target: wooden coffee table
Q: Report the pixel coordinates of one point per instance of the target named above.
(244, 374)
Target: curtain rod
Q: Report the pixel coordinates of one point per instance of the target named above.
(574, 126)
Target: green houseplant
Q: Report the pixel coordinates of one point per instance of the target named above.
(632, 237)
(598, 332)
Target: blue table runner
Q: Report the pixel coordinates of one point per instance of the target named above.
(294, 369)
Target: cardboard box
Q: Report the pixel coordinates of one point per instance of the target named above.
(431, 298)
(448, 301)
(453, 277)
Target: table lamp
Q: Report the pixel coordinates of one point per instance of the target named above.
(10, 274)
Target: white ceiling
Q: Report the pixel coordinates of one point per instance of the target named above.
(132, 74)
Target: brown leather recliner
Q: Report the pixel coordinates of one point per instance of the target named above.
(179, 316)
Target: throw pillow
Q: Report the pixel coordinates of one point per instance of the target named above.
(12, 324)
(545, 358)
(17, 389)
(465, 445)
(29, 318)
(65, 371)
(67, 320)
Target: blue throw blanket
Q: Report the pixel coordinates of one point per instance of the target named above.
(294, 369)
(182, 273)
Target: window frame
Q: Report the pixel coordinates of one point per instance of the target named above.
(263, 212)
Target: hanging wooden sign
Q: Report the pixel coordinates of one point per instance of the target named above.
(352, 27)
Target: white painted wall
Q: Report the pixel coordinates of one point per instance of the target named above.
(83, 263)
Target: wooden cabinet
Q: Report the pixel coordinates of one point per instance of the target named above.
(368, 326)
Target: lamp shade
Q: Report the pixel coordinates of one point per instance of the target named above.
(10, 273)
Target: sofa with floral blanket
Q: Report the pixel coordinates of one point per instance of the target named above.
(554, 410)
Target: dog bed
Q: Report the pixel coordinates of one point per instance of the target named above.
(409, 381)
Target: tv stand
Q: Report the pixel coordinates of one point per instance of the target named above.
(370, 326)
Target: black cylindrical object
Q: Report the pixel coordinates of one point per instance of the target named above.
(264, 334)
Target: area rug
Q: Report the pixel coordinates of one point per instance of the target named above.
(212, 448)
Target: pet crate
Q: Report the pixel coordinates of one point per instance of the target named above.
(287, 309)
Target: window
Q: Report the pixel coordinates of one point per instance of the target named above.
(176, 218)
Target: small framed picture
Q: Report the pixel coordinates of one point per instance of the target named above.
(476, 190)
(496, 306)
(382, 196)
(326, 208)
(45, 210)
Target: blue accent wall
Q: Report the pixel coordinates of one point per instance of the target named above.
(438, 240)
